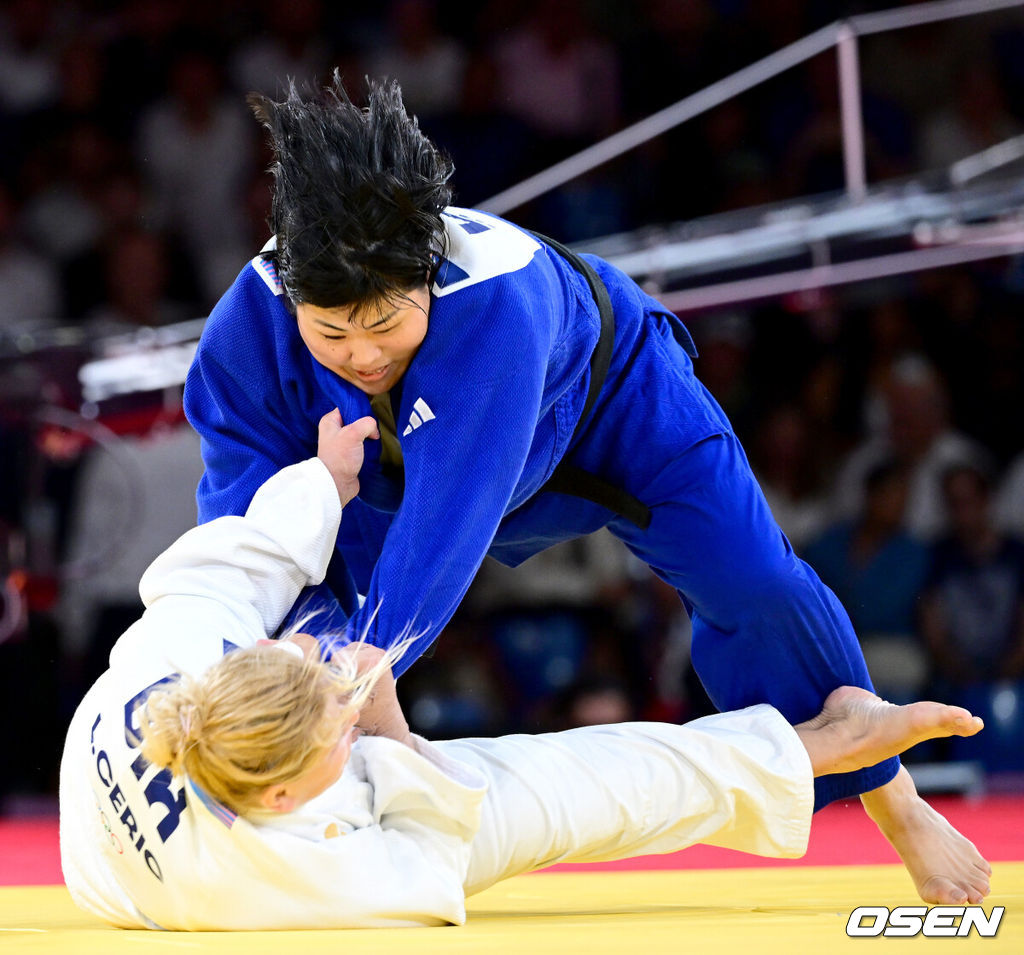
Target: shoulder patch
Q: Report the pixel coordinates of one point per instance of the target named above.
(480, 247)
(267, 270)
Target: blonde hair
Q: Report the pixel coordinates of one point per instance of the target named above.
(258, 717)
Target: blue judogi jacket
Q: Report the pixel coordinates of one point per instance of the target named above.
(486, 411)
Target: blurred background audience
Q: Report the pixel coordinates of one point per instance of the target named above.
(882, 419)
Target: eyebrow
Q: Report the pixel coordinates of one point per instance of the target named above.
(383, 320)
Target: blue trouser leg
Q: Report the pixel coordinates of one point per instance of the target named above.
(765, 628)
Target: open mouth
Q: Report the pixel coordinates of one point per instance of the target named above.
(375, 375)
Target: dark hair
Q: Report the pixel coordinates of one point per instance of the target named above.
(358, 194)
(979, 472)
(880, 474)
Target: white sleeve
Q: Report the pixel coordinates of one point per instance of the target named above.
(235, 578)
(391, 849)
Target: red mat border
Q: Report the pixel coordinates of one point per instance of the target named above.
(841, 835)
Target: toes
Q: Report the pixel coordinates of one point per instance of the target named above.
(980, 883)
(976, 892)
(977, 895)
(968, 725)
(939, 890)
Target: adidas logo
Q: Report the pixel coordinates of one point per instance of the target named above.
(420, 412)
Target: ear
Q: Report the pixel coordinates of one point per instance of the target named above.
(278, 799)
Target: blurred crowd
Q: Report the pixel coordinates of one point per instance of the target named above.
(882, 420)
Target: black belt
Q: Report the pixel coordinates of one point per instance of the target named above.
(567, 478)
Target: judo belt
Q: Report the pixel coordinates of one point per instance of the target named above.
(567, 478)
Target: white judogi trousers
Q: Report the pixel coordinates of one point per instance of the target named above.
(740, 780)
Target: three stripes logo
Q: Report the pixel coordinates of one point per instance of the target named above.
(420, 413)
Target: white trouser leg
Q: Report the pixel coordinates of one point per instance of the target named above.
(740, 780)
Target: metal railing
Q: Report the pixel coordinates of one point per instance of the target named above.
(843, 35)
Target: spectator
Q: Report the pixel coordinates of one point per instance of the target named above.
(738, 174)
(562, 80)
(973, 606)
(136, 268)
(31, 291)
(806, 126)
(916, 431)
(673, 50)
(29, 58)
(489, 145)
(128, 505)
(559, 77)
(974, 118)
(1009, 500)
(554, 616)
(63, 217)
(123, 207)
(290, 47)
(594, 701)
(921, 66)
(79, 98)
(875, 344)
(146, 36)
(197, 151)
(783, 460)
(877, 570)
(724, 343)
(428, 65)
(460, 689)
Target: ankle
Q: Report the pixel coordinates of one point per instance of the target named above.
(892, 803)
(820, 747)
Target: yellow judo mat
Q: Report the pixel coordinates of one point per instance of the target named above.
(789, 910)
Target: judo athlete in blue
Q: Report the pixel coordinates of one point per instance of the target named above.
(525, 396)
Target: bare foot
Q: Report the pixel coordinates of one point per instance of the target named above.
(856, 729)
(946, 867)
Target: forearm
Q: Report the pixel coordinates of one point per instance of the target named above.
(385, 719)
(381, 714)
(232, 580)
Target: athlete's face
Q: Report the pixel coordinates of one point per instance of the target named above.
(327, 770)
(324, 773)
(370, 347)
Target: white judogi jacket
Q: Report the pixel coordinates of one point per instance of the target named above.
(388, 844)
(405, 833)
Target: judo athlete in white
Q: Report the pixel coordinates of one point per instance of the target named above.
(385, 829)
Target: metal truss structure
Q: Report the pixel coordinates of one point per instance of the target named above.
(973, 210)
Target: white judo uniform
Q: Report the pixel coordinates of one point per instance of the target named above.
(406, 833)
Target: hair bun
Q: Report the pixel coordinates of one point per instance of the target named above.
(170, 723)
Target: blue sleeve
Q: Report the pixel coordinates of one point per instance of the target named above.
(483, 382)
(241, 448)
(244, 397)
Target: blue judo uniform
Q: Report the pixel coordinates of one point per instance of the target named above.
(486, 411)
